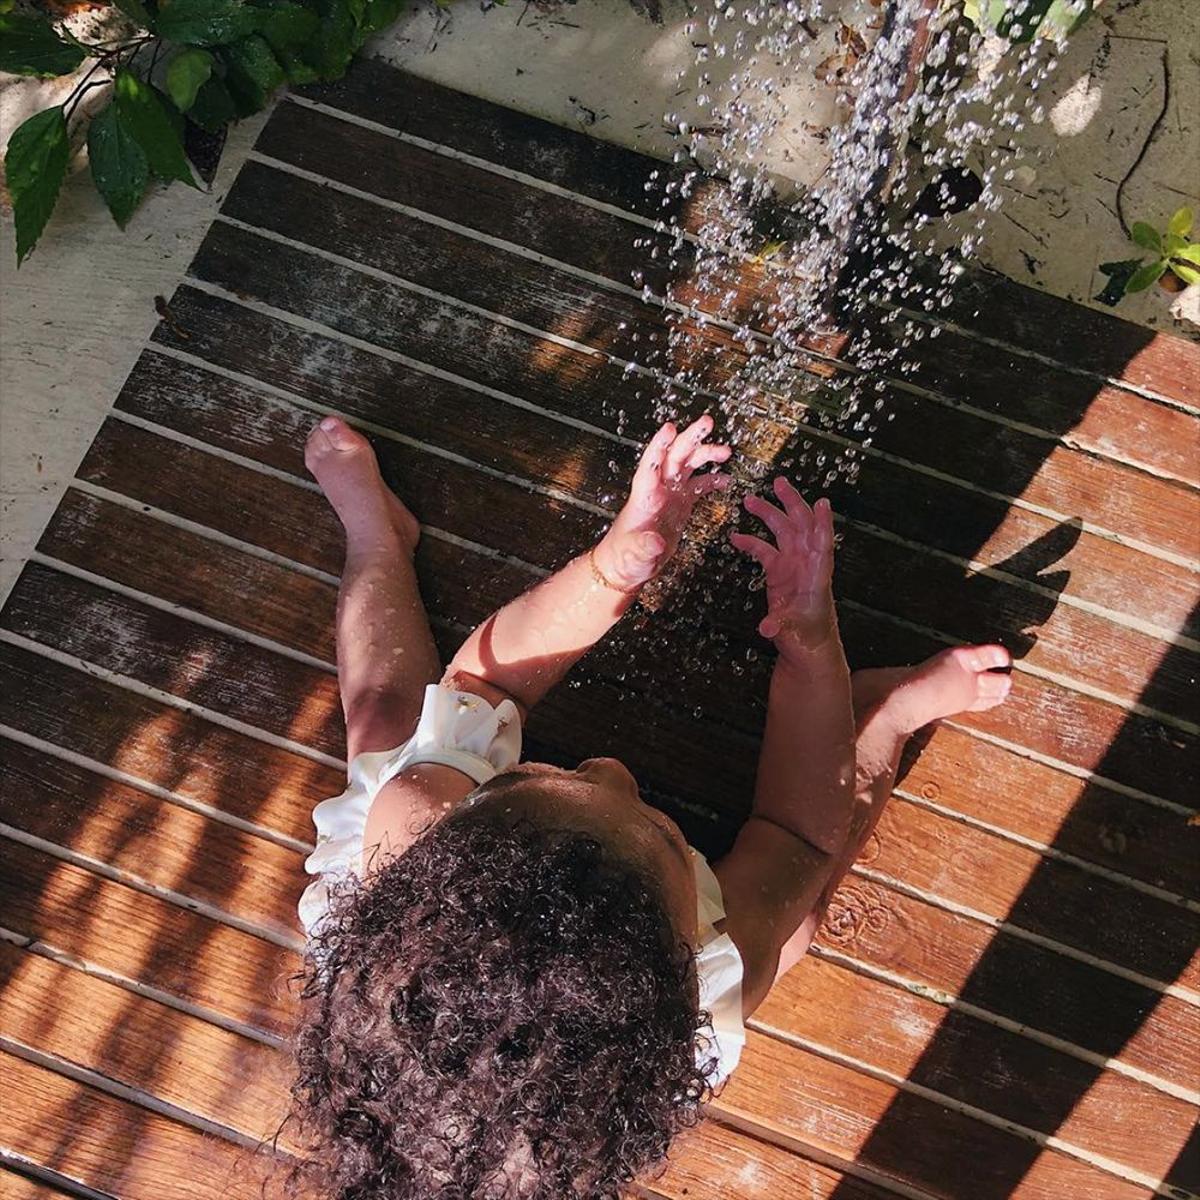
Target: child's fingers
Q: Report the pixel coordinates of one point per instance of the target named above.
(714, 481)
(768, 514)
(793, 503)
(685, 446)
(654, 455)
(823, 530)
(762, 552)
(769, 626)
(705, 454)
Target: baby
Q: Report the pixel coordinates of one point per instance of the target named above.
(522, 981)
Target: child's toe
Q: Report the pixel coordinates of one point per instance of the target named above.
(991, 690)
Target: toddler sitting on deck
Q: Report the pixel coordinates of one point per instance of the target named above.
(522, 980)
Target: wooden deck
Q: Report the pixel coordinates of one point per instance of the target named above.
(1006, 998)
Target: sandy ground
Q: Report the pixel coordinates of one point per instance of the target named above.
(1123, 117)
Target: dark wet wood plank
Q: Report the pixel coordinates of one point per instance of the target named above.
(963, 522)
(984, 302)
(1000, 458)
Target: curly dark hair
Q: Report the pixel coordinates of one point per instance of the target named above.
(502, 1012)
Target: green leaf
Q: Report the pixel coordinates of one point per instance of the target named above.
(213, 107)
(206, 22)
(187, 73)
(252, 73)
(1146, 236)
(1188, 274)
(1021, 19)
(6, 6)
(335, 42)
(155, 126)
(1146, 276)
(119, 167)
(1063, 17)
(286, 26)
(36, 164)
(29, 46)
(1119, 274)
(137, 12)
(1172, 244)
(1190, 253)
(1180, 223)
(379, 15)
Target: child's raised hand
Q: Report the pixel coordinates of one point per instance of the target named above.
(664, 491)
(799, 569)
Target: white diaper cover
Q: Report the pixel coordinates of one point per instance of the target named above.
(464, 731)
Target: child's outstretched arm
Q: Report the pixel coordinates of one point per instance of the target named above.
(526, 647)
(800, 823)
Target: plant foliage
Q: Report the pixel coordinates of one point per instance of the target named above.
(1024, 20)
(1172, 252)
(183, 67)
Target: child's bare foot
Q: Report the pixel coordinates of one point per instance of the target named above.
(964, 679)
(344, 464)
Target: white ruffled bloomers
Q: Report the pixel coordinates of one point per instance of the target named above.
(464, 731)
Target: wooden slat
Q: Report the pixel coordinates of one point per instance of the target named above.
(965, 523)
(233, 1081)
(1076, 817)
(724, 1162)
(145, 939)
(599, 242)
(1084, 338)
(287, 698)
(1015, 979)
(1004, 880)
(1000, 458)
(22, 1187)
(116, 1146)
(196, 759)
(971, 1061)
(423, 109)
(153, 841)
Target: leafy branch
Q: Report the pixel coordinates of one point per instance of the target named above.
(224, 59)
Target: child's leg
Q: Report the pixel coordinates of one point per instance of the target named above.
(890, 705)
(385, 651)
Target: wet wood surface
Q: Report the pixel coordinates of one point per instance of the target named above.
(1004, 998)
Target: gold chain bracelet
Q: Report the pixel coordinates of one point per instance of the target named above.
(602, 579)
